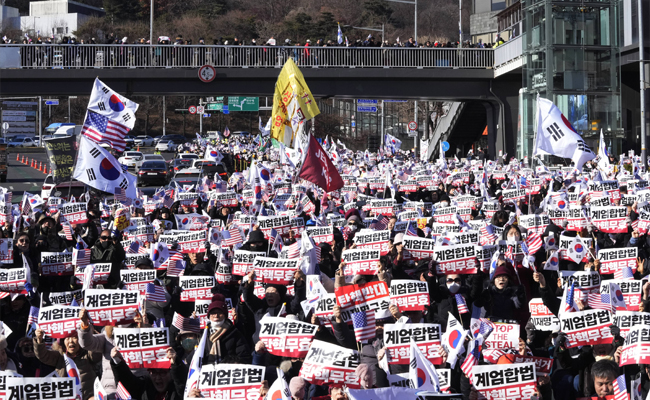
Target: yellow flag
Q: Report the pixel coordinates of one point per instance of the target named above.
(292, 103)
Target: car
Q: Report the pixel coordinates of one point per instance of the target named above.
(144, 141)
(210, 167)
(49, 188)
(179, 164)
(187, 177)
(130, 158)
(21, 142)
(148, 157)
(129, 140)
(188, 156)
(167, 146)
(153, 172)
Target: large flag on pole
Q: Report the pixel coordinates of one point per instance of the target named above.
(293, 103)
(318, 168)
(603, 157)
(96, 167)
(195, 366)
(110, 104)
(556, 136)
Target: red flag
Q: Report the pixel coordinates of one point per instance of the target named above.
(318, 168)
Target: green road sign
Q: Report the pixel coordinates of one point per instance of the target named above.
(214, 106)
(238, 103)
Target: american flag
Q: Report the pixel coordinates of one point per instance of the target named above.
(272, 236)
(232, 236)
(120, 194)
(599, 301)
(155, 292)
(27, 208)
(471, 359)
(510, 253)
(364, 325)
(33, 316)
(412, 230)
(568, 305)
(345, 231)
(624, 273)
(186, 324)
(380, 223)
(175, 263)
(67, 230)
(487, 235)
(486, 327)
(122, 393)
(620, 389)
(168, 201)
(80, 257)
(101, 129)
(460, 302)
(534, 242)
(292, 251)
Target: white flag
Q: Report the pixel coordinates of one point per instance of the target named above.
(280, 389)
(96, 167)
(603, 159)
(422, 373)
(195, 366)
(556, 136)
(98, 390)
(577, 250)
(616, 297)
(453, 340)
(159, 254)
(211, 153)
(105, 101)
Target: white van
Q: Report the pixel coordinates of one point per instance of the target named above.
(67, 130)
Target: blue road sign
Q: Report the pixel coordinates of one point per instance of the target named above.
(225, 110)
(445, 146)
(353, 124)
(366, 101)
(207, 115)
(366, 109)
(51, 102)
(395, 101)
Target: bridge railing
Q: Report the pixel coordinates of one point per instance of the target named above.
(40, 56)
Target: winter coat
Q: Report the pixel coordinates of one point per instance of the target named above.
(143, 389)
(85, 362)
(99, 343)
(502, 303)
(112, 254)
(231, 347)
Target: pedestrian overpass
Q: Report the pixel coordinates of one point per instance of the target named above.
(443, 74)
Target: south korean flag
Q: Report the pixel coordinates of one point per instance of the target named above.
(105, 101)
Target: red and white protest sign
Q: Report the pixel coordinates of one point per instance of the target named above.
(111, 307)
(587, 328)
(360, 262)
(576, 218)
(64, 298)
(242, 261)
(636, 349)
(281, 224)
(143, 347)
(610, 219)
(505, 381)
(385, 207)
(275, 270)
(417, 248)
(445, 215)
(504, 336)
(631, 290)
(512, 195)
(534, 223)
(586, 282)
(612, 260)
(484, 255)
(541, 317)
(409, 295)
(192, 242)
(196, 287)
(286, 338)
(321, 234)
(367, 296)
(542, 365)
(40, 388)
(458, 259)
(227, 199)
(56, 264)
(231, 381)
(13, 280)
(378, 240)
(138, 279)
(59, 321)
(100, 274)
(628, 320)
(74, 213)
(398, 337)
(330, 364)
(610, 187)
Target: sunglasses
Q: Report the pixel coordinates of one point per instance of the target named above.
(104, 237)
(27, 349)
(23, 241)
(450, 280)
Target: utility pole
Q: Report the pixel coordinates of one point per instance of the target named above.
(642, 91)
(201, 116)
(164, 118)
(69, 109)
(40, 120)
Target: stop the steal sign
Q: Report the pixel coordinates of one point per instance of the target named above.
(504, 336)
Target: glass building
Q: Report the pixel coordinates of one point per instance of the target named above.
(571, 56)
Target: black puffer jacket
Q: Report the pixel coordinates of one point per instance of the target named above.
(502, 303)
(142, 388)
(446, 301)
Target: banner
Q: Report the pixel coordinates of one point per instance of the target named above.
(409, 295)
(628, 320)
(610, 219)
(62, 154)
(13, 280)
(385, 207)
(56, 264)
(242, 261)
(505, 381)
(275, 270)
(636, 349)
(587, 327)
(541, 317)
(196, 288)
(330, 364)
(378, 240)
(615, 259)
(512, 195)
(367, 296)
(40, 388)
(227, 199)
(192, 242)
(59, 321)
(631, 290)
(231, 381)
(281, 224)
(445, 215)
(418, 248)
(360, 262)
(542, 365)
(100, 274)
(286, 338)
(534, 223)
(398, 337)
(74, 213)
(138, 279)
(504, 336)
(111, 307)
(458, 259)
(143, 347)
(586, 281)
(64, 298)
(321, 234)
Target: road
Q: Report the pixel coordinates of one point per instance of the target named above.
(23, 178)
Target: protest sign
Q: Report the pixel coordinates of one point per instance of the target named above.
(74, 213)
(398, 337)
(458, 259)
(40, 388)
(612, 260)
(541, 317)
(505, 381)
(503, 336)
(242, 261)
(360, 262)
(231, 381)
(636, 348)
(281, 224)
(143, 347)
(59, 321)
(286, 338)
(367, 296)
(56, 264)
(196, 287)
(320, 234)
(111, 307)
(13, 280)
(587, 327)
(275, 270)
(409, 295)
(64, 298)
(376, 240)
(137, 279)
(627, 320)
(418, 248)
(100, 274)
(610, 219)
(330, 364)
(192, 242)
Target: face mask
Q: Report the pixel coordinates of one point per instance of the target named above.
(453, 288)
(45, 230)
(444, 203)
(352, 228)
(188, 344)
(105, 244)
(598, 358)
(41, 246)
(216, 324)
